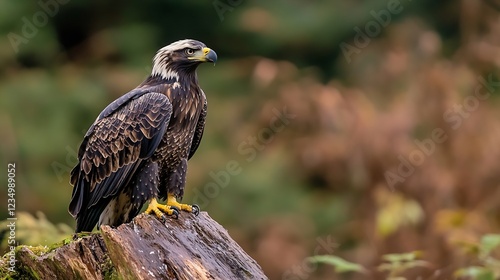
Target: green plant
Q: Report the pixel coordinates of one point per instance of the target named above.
(488, 267)
(338, 263)
(396, 264)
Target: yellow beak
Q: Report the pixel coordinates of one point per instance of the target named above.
(205, 55)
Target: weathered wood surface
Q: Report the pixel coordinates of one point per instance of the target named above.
(188, 248)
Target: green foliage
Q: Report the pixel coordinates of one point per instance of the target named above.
(37, 231)
(394, 264)
(475, 272)
(397, 264)
(488, 243)
(489, 262)
(338, 263)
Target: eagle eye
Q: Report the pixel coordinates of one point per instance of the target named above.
(189, 51)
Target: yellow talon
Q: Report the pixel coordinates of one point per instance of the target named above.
(159, 209)
(172, 202)
(171, 208)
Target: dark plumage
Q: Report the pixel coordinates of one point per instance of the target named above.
(138, 147)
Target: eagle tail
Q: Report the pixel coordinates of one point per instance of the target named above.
(87, 206)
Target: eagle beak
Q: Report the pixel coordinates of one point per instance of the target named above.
(209, 55)
(204, 55)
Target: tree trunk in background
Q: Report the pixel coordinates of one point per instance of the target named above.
(188, 248)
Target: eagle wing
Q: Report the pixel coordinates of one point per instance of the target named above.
(127, 131)
(198, 133)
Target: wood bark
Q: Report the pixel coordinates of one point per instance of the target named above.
(188, 248)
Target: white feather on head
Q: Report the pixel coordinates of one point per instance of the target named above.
(160, 61)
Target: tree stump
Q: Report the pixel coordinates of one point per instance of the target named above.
(188, 248)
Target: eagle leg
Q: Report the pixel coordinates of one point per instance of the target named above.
(172, 202)
(160, 210)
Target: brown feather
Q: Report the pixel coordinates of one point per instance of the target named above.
(154, 128)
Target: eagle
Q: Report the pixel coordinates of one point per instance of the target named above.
(137, 149)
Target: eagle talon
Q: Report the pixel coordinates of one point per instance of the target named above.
(195, 209)
(175, 212)
(172, 203)
(163, 218)
(162, 211)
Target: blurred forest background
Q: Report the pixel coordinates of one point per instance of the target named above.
(348, 128)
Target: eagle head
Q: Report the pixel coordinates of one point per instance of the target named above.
(181, 56)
